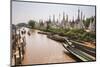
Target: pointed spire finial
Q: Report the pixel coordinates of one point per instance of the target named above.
(53, 18)
(81, 15)
(78, 14)
(63, 15)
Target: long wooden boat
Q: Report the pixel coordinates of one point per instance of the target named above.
(78, 53)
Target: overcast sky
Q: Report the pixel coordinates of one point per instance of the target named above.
(25, 11)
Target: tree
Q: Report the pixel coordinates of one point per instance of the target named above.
(31, 23)
(87, 21)
(48, 24)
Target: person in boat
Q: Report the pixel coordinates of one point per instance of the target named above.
(19, 35)
(22, 32)
(28, 33)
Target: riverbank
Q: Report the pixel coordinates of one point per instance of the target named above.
(60, 38)
(73, 34)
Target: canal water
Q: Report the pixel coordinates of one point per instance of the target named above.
(41, 50)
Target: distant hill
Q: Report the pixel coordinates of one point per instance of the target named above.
(22, 25)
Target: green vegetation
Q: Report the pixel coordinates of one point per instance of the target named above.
(48, 24)
(74, 34)
(31, 23)
(87, 21)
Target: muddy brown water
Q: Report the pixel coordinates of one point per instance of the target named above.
(41, 50)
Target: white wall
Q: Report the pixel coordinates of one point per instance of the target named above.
(5, 33)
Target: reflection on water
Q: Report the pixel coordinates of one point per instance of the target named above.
(41, 50)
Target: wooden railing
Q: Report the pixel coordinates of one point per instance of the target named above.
(18, 49)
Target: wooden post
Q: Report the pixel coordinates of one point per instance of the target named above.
(22, 48)
(19, 54)
(15, 59)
